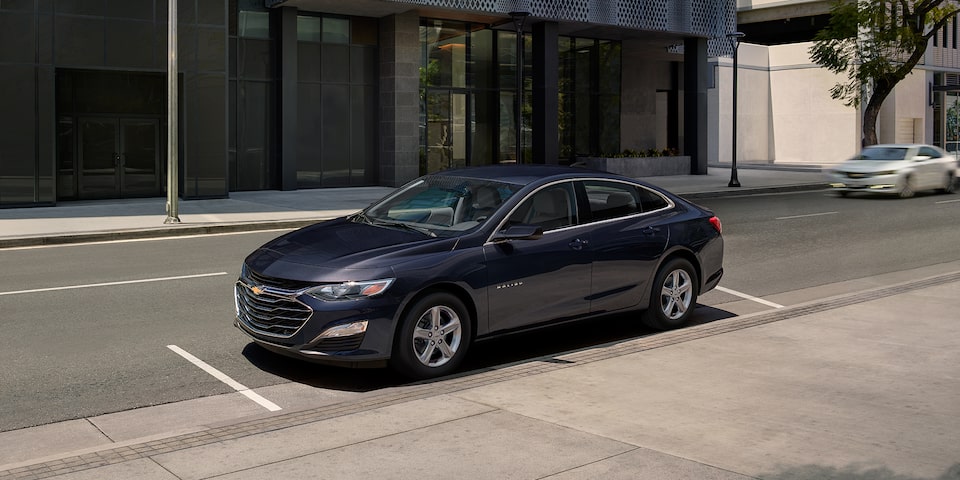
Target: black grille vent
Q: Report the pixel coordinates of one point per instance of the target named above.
(339, 344)
(270, 312)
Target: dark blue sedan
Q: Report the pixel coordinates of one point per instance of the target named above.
(462, 255)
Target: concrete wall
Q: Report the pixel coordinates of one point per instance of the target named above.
(785, 113)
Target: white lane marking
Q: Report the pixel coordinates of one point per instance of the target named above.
(263, 402)
(749, 297)
(807, 215)
(109, 284)
(151, 239)
(947, 201)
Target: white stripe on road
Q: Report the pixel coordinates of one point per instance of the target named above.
(807, 215)
(110, 284)
(749, 297)
(947, 201)
(263, 402)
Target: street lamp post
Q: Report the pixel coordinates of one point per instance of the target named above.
(173, 177)
(518, 20)
(734, 38)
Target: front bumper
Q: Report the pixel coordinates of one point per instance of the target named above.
(297, 325)
(856, 182)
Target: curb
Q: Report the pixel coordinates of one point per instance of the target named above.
(185, 230)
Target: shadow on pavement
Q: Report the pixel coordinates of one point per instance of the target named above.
(537, 345)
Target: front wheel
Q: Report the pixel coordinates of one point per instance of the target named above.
(673, 297)
(434, 337)
(908, 189)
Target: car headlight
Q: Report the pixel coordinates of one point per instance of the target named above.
(350, 290)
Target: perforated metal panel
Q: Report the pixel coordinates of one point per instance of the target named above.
(712, 19)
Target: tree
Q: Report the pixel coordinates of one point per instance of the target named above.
(876, 43)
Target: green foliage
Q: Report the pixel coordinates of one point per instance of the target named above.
(650, 152)
(876, 43)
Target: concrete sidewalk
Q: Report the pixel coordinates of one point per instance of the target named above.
(842, 388)
(139, 218)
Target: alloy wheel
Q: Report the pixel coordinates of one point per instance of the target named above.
(676, 295)
(437, 336)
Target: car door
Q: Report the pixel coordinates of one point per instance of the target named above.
(537, 280)
(629, 236)
(929, 169)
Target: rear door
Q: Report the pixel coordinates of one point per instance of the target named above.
(629, 235)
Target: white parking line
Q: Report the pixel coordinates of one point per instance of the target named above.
(109, 284)
(947, 201)
(807, 215)
(749, 297)
(263, 402)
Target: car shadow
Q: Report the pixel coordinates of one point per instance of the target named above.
(483, 356)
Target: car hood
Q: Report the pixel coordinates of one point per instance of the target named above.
(867, 166)
(312, 253)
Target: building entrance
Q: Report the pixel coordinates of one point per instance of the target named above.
(118, 157)
(111, 134)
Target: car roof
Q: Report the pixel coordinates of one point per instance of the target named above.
(898, 145)
(524, 174)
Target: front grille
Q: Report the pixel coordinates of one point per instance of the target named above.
(272, 312)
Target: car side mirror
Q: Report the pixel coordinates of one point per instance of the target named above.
(519, 232)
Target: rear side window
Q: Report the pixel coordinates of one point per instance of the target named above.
(614, 199)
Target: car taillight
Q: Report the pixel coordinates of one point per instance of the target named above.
(715, 221)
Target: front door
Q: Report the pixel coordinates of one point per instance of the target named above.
(119, 157)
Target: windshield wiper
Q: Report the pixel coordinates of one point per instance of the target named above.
(401, 225)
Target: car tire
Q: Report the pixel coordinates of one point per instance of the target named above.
(673, 296)
(434, 337)
(949, 184)
(908, 189)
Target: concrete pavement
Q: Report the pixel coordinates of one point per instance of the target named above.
(863, 385)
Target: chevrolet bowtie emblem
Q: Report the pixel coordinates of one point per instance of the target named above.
(257, 290)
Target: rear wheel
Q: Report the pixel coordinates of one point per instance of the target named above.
(673, 297)
(434, 337)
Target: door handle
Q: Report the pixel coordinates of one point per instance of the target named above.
(650, 230)
(578, 244)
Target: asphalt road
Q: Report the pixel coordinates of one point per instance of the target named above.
(78, 352)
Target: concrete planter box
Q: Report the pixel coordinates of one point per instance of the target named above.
(642, 166)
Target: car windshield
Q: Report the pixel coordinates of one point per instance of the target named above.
(439, 205)
(882, 153)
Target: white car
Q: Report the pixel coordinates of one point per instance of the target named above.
(903, 169)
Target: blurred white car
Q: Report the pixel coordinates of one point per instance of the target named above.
(903, 169)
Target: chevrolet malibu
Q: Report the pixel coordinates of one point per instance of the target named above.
(899, 169)
(464, 255)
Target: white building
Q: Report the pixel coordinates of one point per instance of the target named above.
(785, 113)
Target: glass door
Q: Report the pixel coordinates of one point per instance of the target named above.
(118, 158)
(140, 157)
(99, 160)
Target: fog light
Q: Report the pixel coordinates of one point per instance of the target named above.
(837, 185)
(344, 330)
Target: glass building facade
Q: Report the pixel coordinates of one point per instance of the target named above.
(274, 94)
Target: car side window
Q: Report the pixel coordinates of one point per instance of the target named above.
(549, 208)
(929, 152)
(614, 199)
